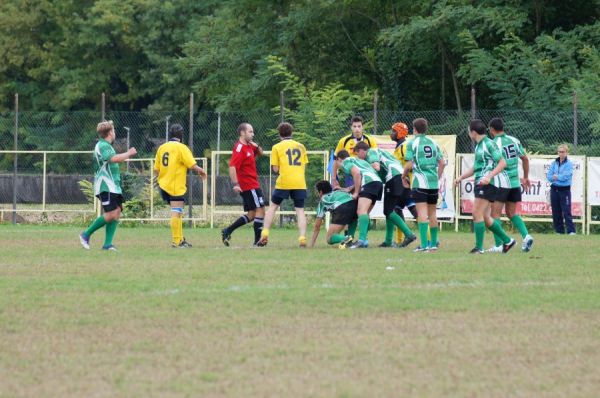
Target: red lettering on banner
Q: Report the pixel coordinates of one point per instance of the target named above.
(526, 208)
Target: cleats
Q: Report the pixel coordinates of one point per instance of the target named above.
(420, 249)
(262, 242)
(527, 243)
(184, 244)
(360, 244)
(507, 246)
(225, 237)
(385, 244)
(84, 240)
(109, 248)
(494, 249)
(408, 240)
(432, 249)
(345, 243)
(476, 250)
(302, 241)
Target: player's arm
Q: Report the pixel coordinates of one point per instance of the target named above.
(441, 167)
(376, 166)
(525, 180)
(157, 163)
(408, 166)
(336, 165)
(234, 179)
(258, 151)
(275, 160)
(121, 157)
(465, 175)
(199, 170)
(485, 180)
(316, 230)
(357, 177)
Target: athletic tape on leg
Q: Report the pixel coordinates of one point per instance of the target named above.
(177, 210)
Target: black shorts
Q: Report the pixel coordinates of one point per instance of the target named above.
(394, 195)
(110, 201)
(512, 195)
(372, 190)
(487, 192)
(253, 199)
(344, 214)
(429, 196)
(167, 197)
(297, 195)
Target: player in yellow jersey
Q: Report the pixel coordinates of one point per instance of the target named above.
(398, 135)
(173, 159)
(348, 143)
(288, 159)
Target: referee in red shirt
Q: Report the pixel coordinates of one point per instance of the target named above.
(242, 172)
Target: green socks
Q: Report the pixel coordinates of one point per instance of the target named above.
(520, 225)
(96, 225)
(363, 226)
(434, 236)
(479, 228)
(497, 229)
(335, 239)
(399, 222)
(111, 228)
(497, 239)
(352, 228)
(389, 231)
(423, 228)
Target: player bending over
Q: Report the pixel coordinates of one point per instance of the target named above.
(368, 189)
(343, 213)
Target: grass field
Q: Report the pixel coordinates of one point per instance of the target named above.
(279, 321)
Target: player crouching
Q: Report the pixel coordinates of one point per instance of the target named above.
(343, 212)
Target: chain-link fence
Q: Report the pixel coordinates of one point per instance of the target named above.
(539, 131)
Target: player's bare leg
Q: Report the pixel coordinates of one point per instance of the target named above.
(301, 220)
(269, 216)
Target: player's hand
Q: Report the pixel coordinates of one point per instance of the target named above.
(132, 151)
(405, 182)
(457, 182)
(555, 177)
(202, 174)
(237, 189)
(526, 183)
(485, 180)
(355, 195)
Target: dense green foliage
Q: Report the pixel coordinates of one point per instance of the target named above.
(149, 54)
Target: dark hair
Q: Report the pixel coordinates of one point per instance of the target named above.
(343, 154)
(356, 119)
(285, 130)
(323, 186)
(497, 124)
(361, 145)
(242, 127)
(477, 126)
(420, 125)
(176, 131)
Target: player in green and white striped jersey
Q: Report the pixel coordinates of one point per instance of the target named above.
(425, 159)
(390, 171)
(343, 212)
(107, 185)
(368, 189)
(487, 165)
(509, 198)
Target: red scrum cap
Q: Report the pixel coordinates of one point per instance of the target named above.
(401, 130)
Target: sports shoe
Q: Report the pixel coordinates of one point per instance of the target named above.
(360, 244)
(476, 250)
(494, 249)
(109, 248)
(432, 249)
(572, 233)
(527, 243)
(346, 242)
(420, 249)
(225, 237)
(302, 241)
(84, 240)
(408, 240)
(185, 243)
(507, 246)
(385, 244)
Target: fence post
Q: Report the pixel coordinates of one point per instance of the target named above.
(15, 160)
(282, 106)
(473, 111)
(103, 107)
(216, 166)
(574, 122)
(191, 144)
(375, 100)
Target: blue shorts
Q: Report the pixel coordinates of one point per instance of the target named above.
(297, 195)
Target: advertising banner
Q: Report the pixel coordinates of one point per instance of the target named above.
(536, 199)
(593, 181)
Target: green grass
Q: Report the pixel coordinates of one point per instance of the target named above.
(281, 321)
